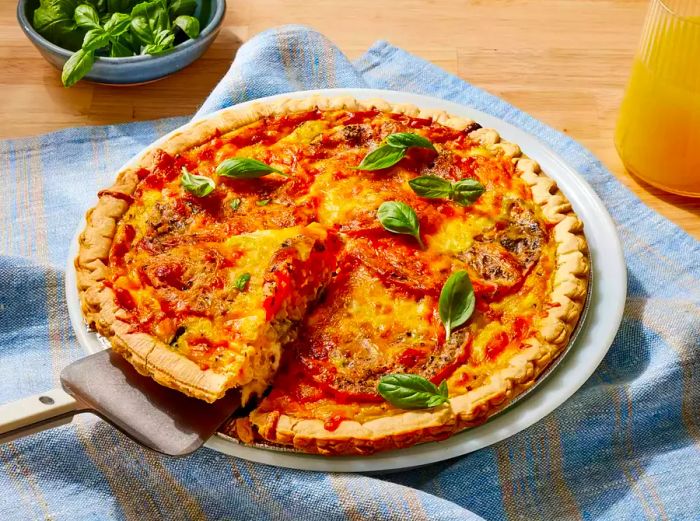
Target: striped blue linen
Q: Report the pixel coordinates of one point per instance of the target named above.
(626, 446)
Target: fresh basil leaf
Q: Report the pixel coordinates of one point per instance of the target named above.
(242, 281)
(148, 20)
(118, 24)
(431, 186)
(235, 203)
(144, 9)
(86, 16)
(152, 49)
(456, 302)
(65, 5)
(99, 5)
(54, 21)
(182, 7)
(163, 41)
(155, 13)
(467, 191)
(398, 217)
(263, 202)
(121, 46)
(382, 157)
(95, 39)
(408, 139)
(141, 29)
(77, 66)
(188, 24)
(199, 185)
(411, 391)
(164, 38)
(245, 168)
(121, 6)
(160, 19)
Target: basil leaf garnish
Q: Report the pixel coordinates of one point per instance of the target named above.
(199, 185)
(407, 139)
(431, 186)
(382, 157)
(411, 391)
(398, 217)
(456, 302)
(463, 192)
(242, 281)
(245, 168)
(393, 151)
(467, 191)
(263, 202)
(235, 203)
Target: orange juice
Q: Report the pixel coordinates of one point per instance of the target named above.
(658, 131)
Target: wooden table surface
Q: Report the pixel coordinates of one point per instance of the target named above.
(565, 62)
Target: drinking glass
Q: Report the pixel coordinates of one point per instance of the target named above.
(658, 130)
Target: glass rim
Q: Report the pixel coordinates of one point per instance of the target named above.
(683, 18)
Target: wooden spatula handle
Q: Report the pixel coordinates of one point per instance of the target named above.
(36, 413)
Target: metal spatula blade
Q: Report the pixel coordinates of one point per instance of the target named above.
(107, 385)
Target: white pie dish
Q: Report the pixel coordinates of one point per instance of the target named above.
(592, 343)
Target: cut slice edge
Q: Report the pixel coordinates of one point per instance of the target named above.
(306, 261)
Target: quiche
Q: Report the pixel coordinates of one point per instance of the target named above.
(369, 275)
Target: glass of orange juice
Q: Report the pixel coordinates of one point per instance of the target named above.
(658, 131)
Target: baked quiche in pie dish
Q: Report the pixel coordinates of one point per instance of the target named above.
(368, 275)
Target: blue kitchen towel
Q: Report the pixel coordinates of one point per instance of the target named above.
(625, 446)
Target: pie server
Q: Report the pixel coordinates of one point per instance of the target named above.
(105, 384)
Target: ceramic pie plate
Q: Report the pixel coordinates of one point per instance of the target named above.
(594, 335)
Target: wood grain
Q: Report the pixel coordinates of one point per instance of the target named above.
(565, 62)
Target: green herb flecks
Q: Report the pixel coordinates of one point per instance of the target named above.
(241, 282)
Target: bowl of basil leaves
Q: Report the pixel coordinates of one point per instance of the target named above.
(120, 42)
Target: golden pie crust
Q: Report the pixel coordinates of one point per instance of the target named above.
(152, 357)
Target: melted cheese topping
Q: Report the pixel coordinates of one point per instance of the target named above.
(177, 257)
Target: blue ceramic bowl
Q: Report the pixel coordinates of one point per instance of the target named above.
(133, 69)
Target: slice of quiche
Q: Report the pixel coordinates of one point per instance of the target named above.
(202, 312)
